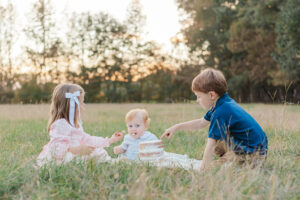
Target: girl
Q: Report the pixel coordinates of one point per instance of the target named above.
(67, 138)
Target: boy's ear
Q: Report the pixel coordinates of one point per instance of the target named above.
(213, 95)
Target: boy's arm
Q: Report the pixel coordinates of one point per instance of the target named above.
(208, 153)
(196, 124)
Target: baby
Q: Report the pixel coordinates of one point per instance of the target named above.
(137, 121)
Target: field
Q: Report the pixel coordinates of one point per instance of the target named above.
(23, 134)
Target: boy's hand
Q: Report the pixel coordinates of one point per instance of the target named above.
(118, 150)
(169, 132)
(117, 136)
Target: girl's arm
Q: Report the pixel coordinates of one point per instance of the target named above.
(117, 136)
(196, 124)
(89, 143)
(100, 142)
(208, 153)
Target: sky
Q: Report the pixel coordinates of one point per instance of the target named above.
(162, 20)
(162, 16)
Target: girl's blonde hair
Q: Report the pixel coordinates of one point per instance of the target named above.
(60, 105)
(141, 112)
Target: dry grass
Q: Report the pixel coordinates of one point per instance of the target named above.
(285, 117)
(23, 133)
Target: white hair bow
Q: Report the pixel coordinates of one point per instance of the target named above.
(73, 99)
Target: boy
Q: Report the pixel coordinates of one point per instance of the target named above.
(233, 133)
(137, 121)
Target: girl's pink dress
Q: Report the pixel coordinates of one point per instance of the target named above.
(62, 136)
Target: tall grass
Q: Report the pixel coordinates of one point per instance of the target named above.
(23, 134)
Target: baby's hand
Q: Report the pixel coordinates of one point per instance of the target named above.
(118, 150)
(117, 136)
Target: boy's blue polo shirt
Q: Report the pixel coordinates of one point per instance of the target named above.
(230, 122)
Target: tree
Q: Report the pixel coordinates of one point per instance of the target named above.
(43, 45)
(7, 38)
(252, 38)
(240, 38)
(288, 41)
(207, 30)
(134, 48)
(95, 45)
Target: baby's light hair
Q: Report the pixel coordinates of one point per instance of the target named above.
(138, 112)
(60, 105)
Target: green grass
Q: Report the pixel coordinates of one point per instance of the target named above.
(23, 135)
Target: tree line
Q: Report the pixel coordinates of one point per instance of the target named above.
(255, 43)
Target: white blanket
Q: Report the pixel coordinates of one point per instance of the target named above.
(173, 160)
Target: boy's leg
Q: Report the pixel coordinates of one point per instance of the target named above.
(221, 148)
(253, 160)
(256, 160)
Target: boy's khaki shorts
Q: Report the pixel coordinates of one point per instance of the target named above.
(226, 155)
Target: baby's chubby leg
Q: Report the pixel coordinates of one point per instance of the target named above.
(100, 154)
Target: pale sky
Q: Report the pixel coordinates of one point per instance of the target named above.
(162, 19)
(162, 15)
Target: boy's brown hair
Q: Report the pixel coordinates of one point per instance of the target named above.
(210, 80)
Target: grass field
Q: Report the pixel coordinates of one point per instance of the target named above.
(23, 134)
